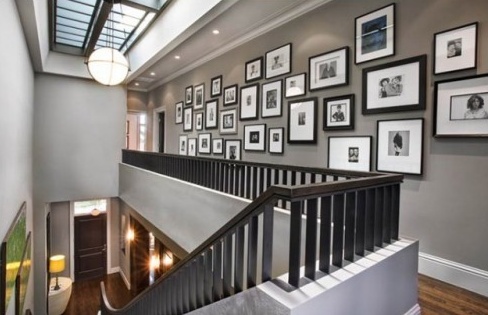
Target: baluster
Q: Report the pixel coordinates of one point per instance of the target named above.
(239, 260)
(370, 218)
(252, 257)
(267, 242)
(227, 278)
(231, 180)
(325, 226)
(200, 285)
(185, 280)
(222, 176)
(268, 178)
(261, 181)
(295, 242)
(180, 294)
(387, 215)
(192, 285)
(208, 298)
(378, 218)
(337, 240)
(311, 239)
(226, 178)
(303, 178)
(395, 212)
(217, 271)
(242, 175)
(293, 178)
(254, 183)
(248, 182)
(360, 222)
(350, 222)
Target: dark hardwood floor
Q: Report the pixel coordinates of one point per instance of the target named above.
(435, 297)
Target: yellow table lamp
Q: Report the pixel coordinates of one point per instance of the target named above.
(56, 265)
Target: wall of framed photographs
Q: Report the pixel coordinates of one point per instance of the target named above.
(327, 75)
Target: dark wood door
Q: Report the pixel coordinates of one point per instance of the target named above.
(161, 132)
(90, 246)
(139, 258)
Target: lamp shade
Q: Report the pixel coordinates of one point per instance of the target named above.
(56, 263)
(108, 66)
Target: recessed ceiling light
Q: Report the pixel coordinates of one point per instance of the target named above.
(153, 73)
(216, 32)
(136, 84)
(177, 57)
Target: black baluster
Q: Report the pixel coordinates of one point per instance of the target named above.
(252, 256)
(395, 212)
(311, 239)
(227, 278)
(350, 223)
(370, 218)
(360, 222)
(337, 240)
(267, 242)
(378, 218)
(295, 242)
(239, 261)
(325, 226)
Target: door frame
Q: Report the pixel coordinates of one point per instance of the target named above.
(155, 129)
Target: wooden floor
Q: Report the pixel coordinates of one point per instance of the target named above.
(435, 297)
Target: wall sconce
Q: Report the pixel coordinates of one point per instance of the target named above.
(56, 265)
(167, 259)
(130, 235)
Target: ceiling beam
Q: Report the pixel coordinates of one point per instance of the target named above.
(98, 26)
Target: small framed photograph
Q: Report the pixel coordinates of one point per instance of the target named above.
(350, 153)
(271, 99)
(199, 96)
(199, 121)
(278, 61)
(228, 121)
(456, 49)
(330, 69)
(211, 112)
(296, 85)
(204, 142)
(460, 107)
(179, 113)
(255, 137)
(302, 121)
(399, 146)
(375, 34)
(254, 70)
(218, 146)
(187, 119)
(216, 86)
(230, 95)
(189, 95)
(396, 86)
(192, 146)
(233, 150)
(276, 142)
(339, 112)
(249, 102)
(183, 145)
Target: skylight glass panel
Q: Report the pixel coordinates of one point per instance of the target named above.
(76, 6)
(148, 19)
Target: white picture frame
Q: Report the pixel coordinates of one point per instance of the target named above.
(272, 99)
(183, 145)
(192, 147)
(278, 61)
(352, 153)
(204, 143)
(255, 137)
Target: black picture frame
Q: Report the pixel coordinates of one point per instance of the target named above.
(188, 119)
(276, 141)
(248, 106)
(199, 96)
(395, 86)
(178, 114)
(218, 146)
(212, 114)
(338, 113)
(353, 153)
(231, 95)
(233, 149)
(204, 143)
(296, 85)
(278, 61)
(302, 129)
(183, 145)
(228, 121)
(329, 69)
(192, 147)
(254, 70)
(199, 121)
(216, 86)
(189, 95)
(272, 99)
(255, 137)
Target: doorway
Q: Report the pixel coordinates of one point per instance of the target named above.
(161, 131)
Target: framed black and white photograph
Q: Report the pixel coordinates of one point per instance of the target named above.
(248, 108)
(199, 121)
(254, 70)
(187, 119)
(278, 61)
(296, 85)
(255, 137)
(218, 146)
(375, 34)
(204, 143)
(211, 114)
(330, 69)
(271, 99)
(233, 150)
(228, 121)
(192, 146)
(399, 146)
(189, 95)
(179, 113)
(302, 121)
(276, 143)
(230, 95)
(183, 145)
(456, 49)
(350, 153)
(396, 86)
(339, 113)
(199, 96)
(460, 107)
(216, 86)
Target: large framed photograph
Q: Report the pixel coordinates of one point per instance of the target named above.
(211, 112)
(183, 145)
(249, 102)
(302, 121)
(375, 34)
(255, 137)
(189, 95)
(330, 69)
(460, 107)
(199, 121)
(187, 119)
(278, 61)
(399, 146)
(456, 49)
(254, 70)
(178, 113)
(233, 150)
(271, 99)
(230, 95)
(204, 143)
(350, 153)
(216, 86)
(199, 96)
(228, 121)
(192, 146)
(339, 113)
(296, 85)
(396, 86)
(218, 146)
(276, 141)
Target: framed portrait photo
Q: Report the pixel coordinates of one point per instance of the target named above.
(187, 119)
(204, 143)
(456, 49)
(396, 86)
(228, 121)
(230, 95)
(179, 113)
(189, 95)
(199, 96)
(183, 145)
(330, 69)
(271, 99)
(199, 121)
(255, 137)
(216, 86)
(254, 70)
(211, 114)
(248, 108)
(192, 146)
(375, 34)
(296, 85)
(461, 107)
(278, 61)
(302, 121)
(339, 113)
(276, 143)
(218, 146)
(350, 153)
(399, 146)
(233, 150)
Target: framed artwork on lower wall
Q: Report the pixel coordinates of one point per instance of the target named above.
(255, 137)
(339, 113)
(302, 121)
(183, 145)
(204, 143)
(192, 146)
(218, 146)
(350, 153)
(233, 149)
(276, 141)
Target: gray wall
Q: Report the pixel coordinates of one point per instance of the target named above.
(450, 194)
(61, 233)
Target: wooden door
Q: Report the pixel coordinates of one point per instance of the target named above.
(161, 131)
(139, 258)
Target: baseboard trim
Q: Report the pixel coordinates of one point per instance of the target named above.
(113, 270)
(460, 275)
(127, 283)
(415, 310)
